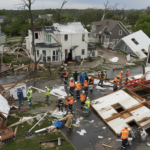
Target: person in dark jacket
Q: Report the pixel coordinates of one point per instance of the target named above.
(20, 96)
(101, 81)
(75, 76)
(86, 77)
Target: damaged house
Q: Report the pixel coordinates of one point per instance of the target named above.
(60, 42)
(107, 32)
(136, 43)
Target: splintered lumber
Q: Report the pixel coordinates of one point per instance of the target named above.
(21, 67)
(37, 89)
(107, 146)
(15, 132)
(11, 115)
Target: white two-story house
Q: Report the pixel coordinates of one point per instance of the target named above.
(60, 42)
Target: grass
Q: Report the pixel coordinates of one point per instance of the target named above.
(37, 105)
(32, 144)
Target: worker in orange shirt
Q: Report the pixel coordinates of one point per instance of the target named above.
(120, 75)
(116, 80)
(124, 136)
(70, 102)
(78, 89)
(82, 98)
(86, 85)
(72, 86)
(66, 103)
(91, 82)
(127, 75)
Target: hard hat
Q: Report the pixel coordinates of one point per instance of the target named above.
(83, 91)
(87, 98)
(75, 82)
(128, 69)
(29, 88)
(121, 71)
(117, 75)
(45, 87)
(69, 94)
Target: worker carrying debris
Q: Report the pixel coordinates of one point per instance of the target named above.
(64, 74)
(87, 106)
(70, 101)
(127, 75)
(124, 136)
(78, 89)
(68, 118)
(29, 96)
(91, 82)
(60, 104)
(82, 78)
(71, 85)
(47, 93)
(66, 103)
(20, 97)
(82, 98)
(120, 75)
(86, 86)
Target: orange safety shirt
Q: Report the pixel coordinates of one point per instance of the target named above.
(116, 80)
(70, 98)
(71, 84)
(82, 97)
(125, 134)
(78, 86)
(127, 73)
(85, 83)
(66, 101)
(120, 75)
(91, 80)
(65, 74)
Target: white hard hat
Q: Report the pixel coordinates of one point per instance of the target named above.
(87, 98)
(75, 82)
(29, 88)
(46, 87)
(71, 78)
(83, 91)
(69, 94)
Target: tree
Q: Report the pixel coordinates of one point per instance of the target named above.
(133, 17)
(143, 23)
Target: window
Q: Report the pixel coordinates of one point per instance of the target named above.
(83, 37)
(66, 37)
(48, 38)
(37, 53)
(36, 35)
(120, 32)
(134, 40)
(44, 52)
(114, 40)
(83, 52)
(56, 36)
(144, 51)
(93, 54)
(93, 27)
(55, 55)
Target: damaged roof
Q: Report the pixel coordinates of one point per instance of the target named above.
(49, 29)
(45, 45)
(92, 46)
(137, 42)
(70, 28)
(107, 106)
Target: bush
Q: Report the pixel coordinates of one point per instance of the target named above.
(25, 62)
(7, 59)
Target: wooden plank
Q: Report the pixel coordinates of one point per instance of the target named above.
(21, 67)
(113, 117)
(38, 89)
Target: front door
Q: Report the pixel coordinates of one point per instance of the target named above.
(44, 55)
(66, 53)
(70, 55)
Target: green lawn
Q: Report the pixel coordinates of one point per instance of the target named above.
(32, 144)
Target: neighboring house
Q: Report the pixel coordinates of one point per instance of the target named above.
(107, 31)
(2, 37)
(2, 19)
(60, 42)
(136, 43)
(47, 16)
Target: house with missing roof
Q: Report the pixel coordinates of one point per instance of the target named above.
(107, 32)
(2, 17)
(136, 43)
(61, 42)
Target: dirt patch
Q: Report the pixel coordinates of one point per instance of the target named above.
(49, 144)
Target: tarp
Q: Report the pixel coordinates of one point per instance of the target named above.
(58, 124)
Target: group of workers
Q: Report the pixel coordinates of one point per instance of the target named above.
(119, 78)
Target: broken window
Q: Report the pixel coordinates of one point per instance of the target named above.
(135, 41)
(37, 53)
(36, 35)
(133, 124)
(83, 37)
(118, 108)
(66, 37)
(48, 58)
(93, 54)
(144, 51)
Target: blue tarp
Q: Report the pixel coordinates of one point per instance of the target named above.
(58, 124)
